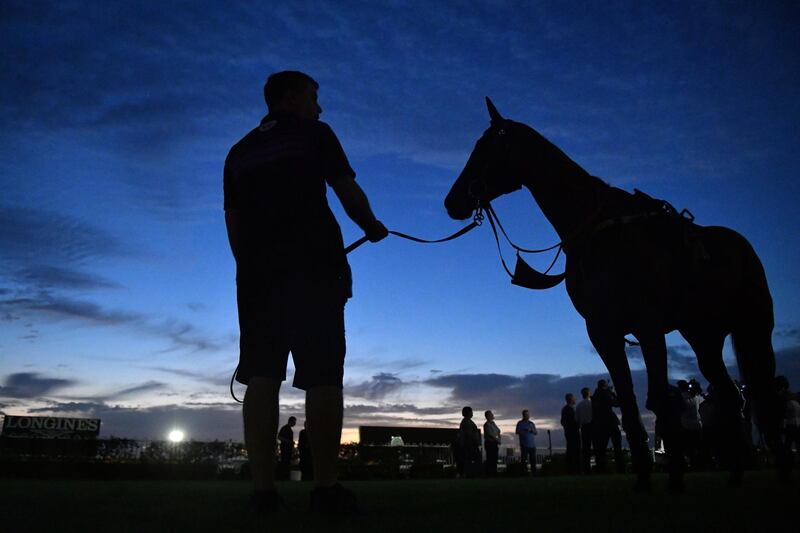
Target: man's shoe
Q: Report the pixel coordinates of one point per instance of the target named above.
(335, 500)
(266, 501)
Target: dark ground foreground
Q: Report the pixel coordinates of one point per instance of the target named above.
(558, 504)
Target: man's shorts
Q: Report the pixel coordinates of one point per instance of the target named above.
(306, 319)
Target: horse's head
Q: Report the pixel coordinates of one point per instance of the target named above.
(489, 171)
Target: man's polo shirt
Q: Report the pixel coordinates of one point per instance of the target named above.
(275, 179)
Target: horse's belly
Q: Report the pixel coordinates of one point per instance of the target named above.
(641, 278)
(626, 286)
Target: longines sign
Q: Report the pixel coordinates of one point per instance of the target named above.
(50, 427)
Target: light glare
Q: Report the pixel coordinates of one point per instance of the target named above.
(176, 435)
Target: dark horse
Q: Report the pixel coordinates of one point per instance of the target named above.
(635, 268)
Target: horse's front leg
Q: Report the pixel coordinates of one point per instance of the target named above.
(665, 402)
(611, 347)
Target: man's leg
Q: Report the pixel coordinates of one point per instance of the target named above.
(601, 436)
(616, 442)
(586, 448)
(573, 454)
(324, 411)
(260, 412)
(491, 458)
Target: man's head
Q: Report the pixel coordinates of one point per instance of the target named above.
(585, 392)
(292, 92)
(570, 398)
(602, 384)
(526, 415)
(292, 421)
(466, 412)
(489, 415)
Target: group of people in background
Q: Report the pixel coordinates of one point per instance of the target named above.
(286, 449)
(467, 447)
(591, 423)
(588, 426)
(702, 441)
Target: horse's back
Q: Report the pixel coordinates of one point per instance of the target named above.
(666, 270)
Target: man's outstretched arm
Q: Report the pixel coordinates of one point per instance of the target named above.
(356, 205)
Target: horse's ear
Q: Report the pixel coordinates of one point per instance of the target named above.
(494, 114)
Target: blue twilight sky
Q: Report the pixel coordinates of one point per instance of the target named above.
(117, 291)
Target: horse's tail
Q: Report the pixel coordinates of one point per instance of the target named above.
(752, 343)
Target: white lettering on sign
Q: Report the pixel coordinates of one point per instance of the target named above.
(50, 427)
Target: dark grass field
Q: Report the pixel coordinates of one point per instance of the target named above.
(558, 504)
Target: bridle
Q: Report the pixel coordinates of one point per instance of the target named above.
(523, 275)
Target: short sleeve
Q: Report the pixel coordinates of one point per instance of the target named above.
(334, 164)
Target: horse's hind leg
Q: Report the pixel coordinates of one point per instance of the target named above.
(611, 347)
(707, 345)
(665, 402)
(752, 342)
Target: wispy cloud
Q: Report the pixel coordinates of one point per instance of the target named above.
(46, 306)
(380, 386)
(203, 377)
(48, 277)
(32, 385)
(37, 239)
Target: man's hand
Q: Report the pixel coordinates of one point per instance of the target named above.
(377, 231)
(357, 207)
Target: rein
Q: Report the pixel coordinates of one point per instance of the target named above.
(477, 220)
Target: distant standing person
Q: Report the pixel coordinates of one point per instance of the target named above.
(571, 434)
(711, 438)
(691, 426)
(583, 416)
(491, 443)
(469, 441)
(286, 438)
(791, 414)
(605, 426)
(526, 430)
(304, 450)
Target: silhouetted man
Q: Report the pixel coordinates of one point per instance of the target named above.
(691, 426)
(583, 416)
(491, 443)
(304, 451)
(292, 277)
(526, 430)
(605, 426)
(286, 439)
(469, 438)
(789, 403)
(571, 434)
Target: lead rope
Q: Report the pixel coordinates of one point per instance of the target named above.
(477, 220)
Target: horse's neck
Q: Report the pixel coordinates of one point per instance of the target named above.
(567, 194)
